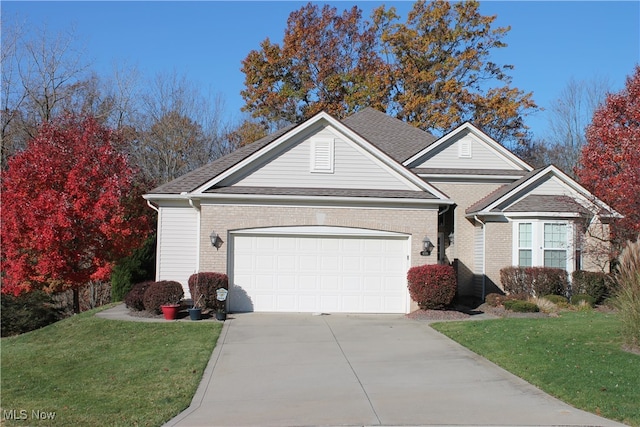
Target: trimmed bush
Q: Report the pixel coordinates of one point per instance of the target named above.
(162, 293)
(140, 266)
(534, 281)
(588, 299)
(557, 299)
(515, 281)
(520, 306)
(206, 284)
(27, 312)
(134, 299)
(494, 300)
(593, 283)
(432, 286)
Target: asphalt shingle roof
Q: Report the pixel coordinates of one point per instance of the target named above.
(547, 203)
(323, 192)
(398, 139)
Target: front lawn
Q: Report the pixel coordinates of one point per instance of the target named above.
(88, 371)
(576, 357)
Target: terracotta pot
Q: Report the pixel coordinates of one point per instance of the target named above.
(170, 312)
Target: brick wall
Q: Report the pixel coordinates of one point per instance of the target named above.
(226, 218)
(463, 249)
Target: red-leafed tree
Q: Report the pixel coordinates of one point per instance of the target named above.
(610, 166)
(70, 208)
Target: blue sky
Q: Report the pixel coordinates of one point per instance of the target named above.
(549, 42)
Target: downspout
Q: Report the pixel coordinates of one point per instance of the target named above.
(197, 208)
(484, 261)
(152, 206)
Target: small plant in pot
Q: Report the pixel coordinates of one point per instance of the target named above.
(209, 284)
(195, 312)
(164, 297)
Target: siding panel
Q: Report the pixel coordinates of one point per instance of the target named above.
(178, 245)
(352, 169)
(480, 156)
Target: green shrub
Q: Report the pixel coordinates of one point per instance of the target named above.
(432, 286)
(520, 306)
(556, 299)
(627, 294)
(162, 293)
(27, 312)
(594, 283)
(577, 299)
(494, 299)
(134, 299)
(205, 285)
(140, 266)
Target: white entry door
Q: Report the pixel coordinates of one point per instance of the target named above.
(348, 273)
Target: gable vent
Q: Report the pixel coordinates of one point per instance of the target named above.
(322, 155)
(464, 149)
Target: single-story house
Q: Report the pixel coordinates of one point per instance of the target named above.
(328, 215)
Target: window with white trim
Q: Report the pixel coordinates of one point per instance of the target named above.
(543, 244)
(322, 155)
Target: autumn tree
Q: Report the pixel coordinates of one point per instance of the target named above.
(70, 208)
(247, 132)
(327, 61)
(610, 165)
(433, 71)
(442, 72)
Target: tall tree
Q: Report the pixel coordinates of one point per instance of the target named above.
(177, 129)
(432, 71)
(70, 208)
(569, 117)
(610, 166)
(442, 72)
(327, 61)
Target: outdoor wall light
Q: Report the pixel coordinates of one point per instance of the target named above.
(428, 247)
(216, 241)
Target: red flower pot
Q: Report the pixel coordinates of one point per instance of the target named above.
(170, 312)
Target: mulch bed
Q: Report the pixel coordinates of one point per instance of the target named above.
(466, 313)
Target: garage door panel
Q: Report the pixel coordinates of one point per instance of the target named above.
(310, 273)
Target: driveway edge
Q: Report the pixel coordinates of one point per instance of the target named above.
(207, 375)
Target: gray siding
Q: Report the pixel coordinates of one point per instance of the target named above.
(353, 168)
(482, 156)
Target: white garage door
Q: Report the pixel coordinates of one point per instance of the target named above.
(320, 273)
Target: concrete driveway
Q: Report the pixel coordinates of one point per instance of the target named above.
(305, 370)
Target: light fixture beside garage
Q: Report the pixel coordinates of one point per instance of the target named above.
(216, 241)
(428, 246)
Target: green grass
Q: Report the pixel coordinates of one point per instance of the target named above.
(92, 371)
(576, 357)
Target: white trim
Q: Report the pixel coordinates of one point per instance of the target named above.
(319, 230)
(501, 151)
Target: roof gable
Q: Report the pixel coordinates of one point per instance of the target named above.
(250, 166)
(547, 190)
(466, 148)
